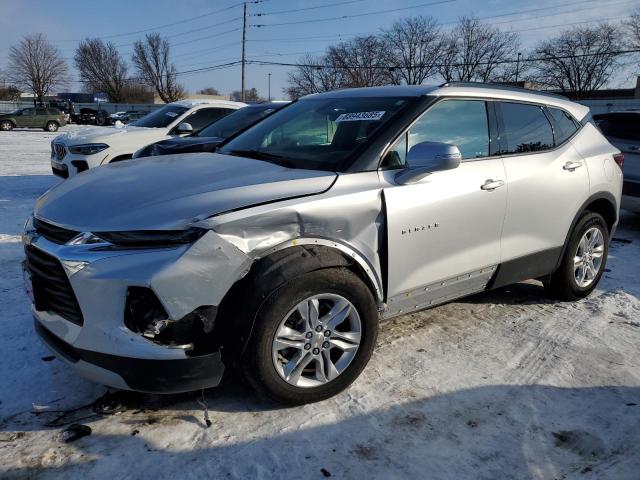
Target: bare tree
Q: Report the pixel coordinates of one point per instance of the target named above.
(36, 66)
(312, 75)
(209, 91)
(151, 59)
(251, 96)
(361, 62)
(415, 46)
(133, 92)
(633, 28)
(101, 68)
(580, 59)
(474, 51)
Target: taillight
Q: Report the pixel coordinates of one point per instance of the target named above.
(619, 159)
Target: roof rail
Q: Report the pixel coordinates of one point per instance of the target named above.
(503, 86)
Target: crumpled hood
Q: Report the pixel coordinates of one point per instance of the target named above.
(170, 192)
(106, 134)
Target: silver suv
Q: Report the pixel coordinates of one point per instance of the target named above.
(280, 254)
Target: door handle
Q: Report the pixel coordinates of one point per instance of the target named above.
(492, 184)
(571, 166)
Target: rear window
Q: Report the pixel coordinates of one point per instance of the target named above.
(564, 125)
(526, 129)
(625, 126)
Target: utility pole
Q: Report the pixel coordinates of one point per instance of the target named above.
(518, 66)
(269, 88)
(244, 41)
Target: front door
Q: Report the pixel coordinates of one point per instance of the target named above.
(27, 119)
(444, 231)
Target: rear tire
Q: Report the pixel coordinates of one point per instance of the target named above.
(51, 127)
(332, 363)
(6, 126)
(584, 260)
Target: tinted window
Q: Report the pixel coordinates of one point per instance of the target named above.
(526, 129)
(458, 122)
(161, 117)
(317, 133)
(564, 126)
(236, 121)
(29, 111)
(41, 111)
(203, 117)
(625, 126)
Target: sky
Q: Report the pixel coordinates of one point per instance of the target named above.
(205, 33)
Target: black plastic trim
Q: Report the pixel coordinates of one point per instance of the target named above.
(145, 375)
(596, 196)
(536, 265)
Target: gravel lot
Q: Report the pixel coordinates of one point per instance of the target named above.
(506, 384)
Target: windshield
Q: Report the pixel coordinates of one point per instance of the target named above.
(236, 121)
(316, 133)
(161, 117)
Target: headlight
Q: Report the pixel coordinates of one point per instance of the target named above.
(152, 238)
(88, 148)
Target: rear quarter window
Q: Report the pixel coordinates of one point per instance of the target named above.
(564, 124)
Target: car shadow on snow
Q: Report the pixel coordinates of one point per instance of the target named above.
(497, 431)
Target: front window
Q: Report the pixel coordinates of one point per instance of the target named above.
(317, 133)
(234, 122)
(161, 117)
(462, 123)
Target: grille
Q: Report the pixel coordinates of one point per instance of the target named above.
(51, 288)
(53, 233)
(58, 150)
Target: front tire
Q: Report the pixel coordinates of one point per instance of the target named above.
(51, 127)
(584, 259)
(6, 126)
(312, 337)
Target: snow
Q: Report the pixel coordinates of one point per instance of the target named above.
(505, 384)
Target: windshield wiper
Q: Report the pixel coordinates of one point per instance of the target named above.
(258, 155)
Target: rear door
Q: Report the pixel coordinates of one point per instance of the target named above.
(547, 183)
(444, 231)
(41, 117)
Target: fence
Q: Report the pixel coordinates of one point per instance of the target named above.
(6, 106)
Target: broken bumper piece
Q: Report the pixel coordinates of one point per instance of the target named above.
(139, 374)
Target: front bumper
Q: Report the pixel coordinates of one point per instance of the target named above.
(142, 375)
(101, 348)
(66, 164)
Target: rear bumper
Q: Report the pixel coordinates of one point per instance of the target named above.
(139, 374)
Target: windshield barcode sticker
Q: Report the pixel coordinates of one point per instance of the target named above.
(359, 116)
(171, 114)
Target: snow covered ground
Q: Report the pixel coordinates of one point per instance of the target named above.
(506, 384)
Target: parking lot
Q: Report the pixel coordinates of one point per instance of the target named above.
(506, 384)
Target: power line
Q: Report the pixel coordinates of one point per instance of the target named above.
(157, 27)
(326, 5)
(393, 67)
(379, 12)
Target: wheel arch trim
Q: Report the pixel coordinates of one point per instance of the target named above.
(598, 196)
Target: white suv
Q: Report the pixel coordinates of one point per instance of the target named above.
(75, 152)
(280, 253)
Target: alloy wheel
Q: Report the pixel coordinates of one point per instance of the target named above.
(587, 260)
(317, 340)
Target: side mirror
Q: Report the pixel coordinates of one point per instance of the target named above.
(427, 157)
(184, 127)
